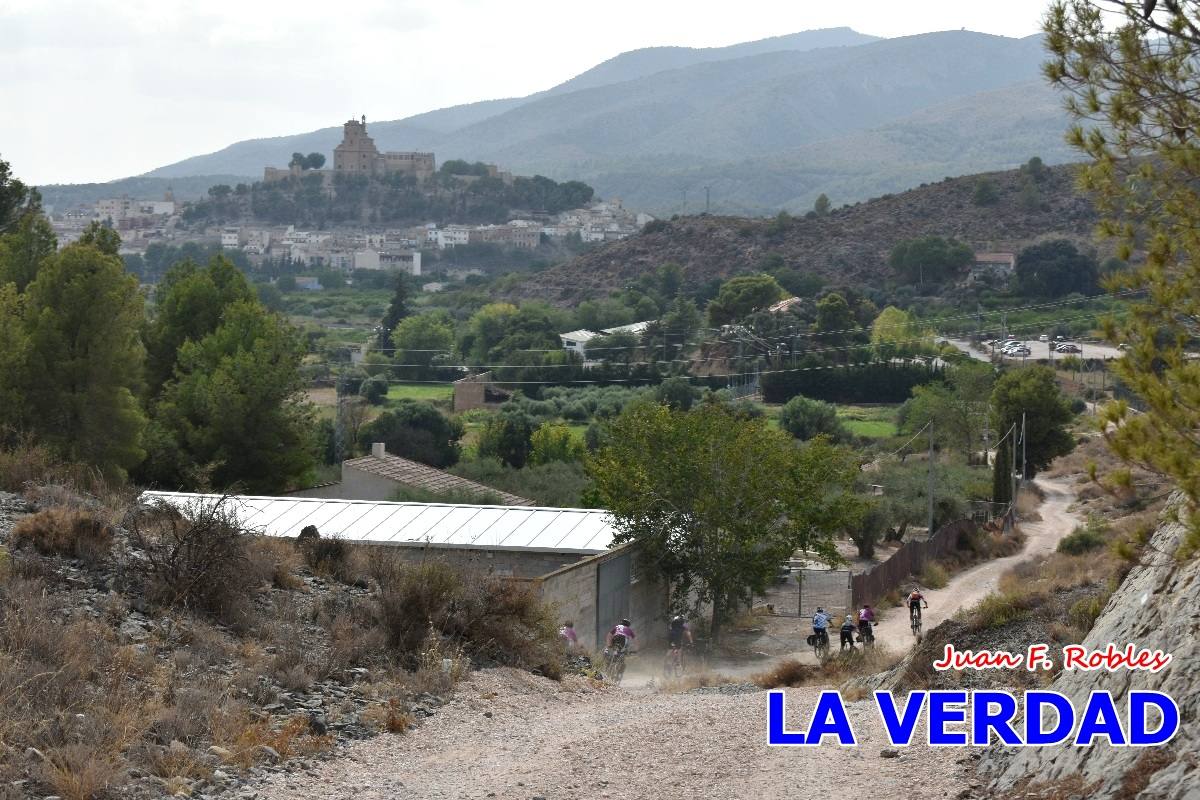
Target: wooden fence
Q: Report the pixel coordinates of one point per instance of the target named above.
(910, 559)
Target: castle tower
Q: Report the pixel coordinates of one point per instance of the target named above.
(357, 153)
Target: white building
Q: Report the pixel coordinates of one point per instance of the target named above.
(232, 238)
(453, 236)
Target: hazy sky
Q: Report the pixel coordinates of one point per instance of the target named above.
(94, 90)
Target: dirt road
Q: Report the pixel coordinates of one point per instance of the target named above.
(509, 734)
(969, 587)
(513, 735)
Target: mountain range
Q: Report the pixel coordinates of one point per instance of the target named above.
(763, 125)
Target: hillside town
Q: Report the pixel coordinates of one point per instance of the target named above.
(144, 222)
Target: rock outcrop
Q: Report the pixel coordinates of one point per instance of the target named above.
(1157, 606)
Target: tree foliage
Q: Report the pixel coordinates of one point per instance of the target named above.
(897, 334)
(957, 409)
(417, 430)
(1054, 269)
(741, 295)
(1033, 391)
(930, 259)
(233, 414)
(553, 441)
(508, 437)
(83, 315)
(191, 302)
(1132, 80)
(716, 502)
(806, 419)
(421, 338)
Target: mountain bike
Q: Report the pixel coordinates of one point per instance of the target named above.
(866, 635)
(914, 616)
(673, 666)
(820, 645)
(614, 664)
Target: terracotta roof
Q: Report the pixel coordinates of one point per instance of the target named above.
(423, 476)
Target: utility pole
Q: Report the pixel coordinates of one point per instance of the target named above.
(706, 199)
(1012, 464)
(929, 491)
(1023, 473)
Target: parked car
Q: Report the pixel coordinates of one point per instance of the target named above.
(1067, 347)
(1044, 338)
(1017, 352)
(1122, 346)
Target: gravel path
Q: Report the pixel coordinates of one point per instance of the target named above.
(967, 588)
(570, 741)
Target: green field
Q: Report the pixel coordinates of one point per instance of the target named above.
(432, 392)
(870, 422)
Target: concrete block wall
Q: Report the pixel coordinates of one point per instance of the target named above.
(572, 591)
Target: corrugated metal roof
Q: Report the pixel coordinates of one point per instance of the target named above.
(423, 476)
(568, 530)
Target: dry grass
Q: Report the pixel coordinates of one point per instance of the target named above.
(80, 771)
(934, 576)
(786, 673)
(390, 717)
(693, 680)
(245, 737)
(275, 561)
(25, 463)
(64, 531)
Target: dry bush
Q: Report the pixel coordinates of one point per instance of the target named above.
(275, 561)
(934, 575)
(80, 771)
(25, 463)
(788, 672)
(245, 735)
(494, 620)
(335, 558)
(390, 717)
(694, 680)
(72, 532)
(196, 558)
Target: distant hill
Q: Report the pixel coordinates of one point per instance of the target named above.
(70, 195)
(850, 247)
(765, 125)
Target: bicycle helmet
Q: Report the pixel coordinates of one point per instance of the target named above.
(820, 609)
(625, 622)
(677, 618)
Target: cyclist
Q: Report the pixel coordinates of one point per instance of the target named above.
(848, 628)
(915, 599)
(676, 633)
(820, 623)
(620, 637)
(569, 637)
(866, 618)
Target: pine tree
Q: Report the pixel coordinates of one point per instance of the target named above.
(397, 310)
(83, 314)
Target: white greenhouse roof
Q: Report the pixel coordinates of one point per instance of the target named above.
(568, 530)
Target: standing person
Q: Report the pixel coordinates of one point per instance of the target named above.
(848, 628)
(820, 623)
(567, 632)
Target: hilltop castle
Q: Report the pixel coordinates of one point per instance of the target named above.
(358, 155)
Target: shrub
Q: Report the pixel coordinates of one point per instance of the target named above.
(788, 672)
(195, 558)
(1085, 538)
(1083, 613)
(71, 532)
(374, 390)
(432, 605)
(934, 575)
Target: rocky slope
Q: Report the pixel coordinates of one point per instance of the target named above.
(850, 246)
(1154, 607)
